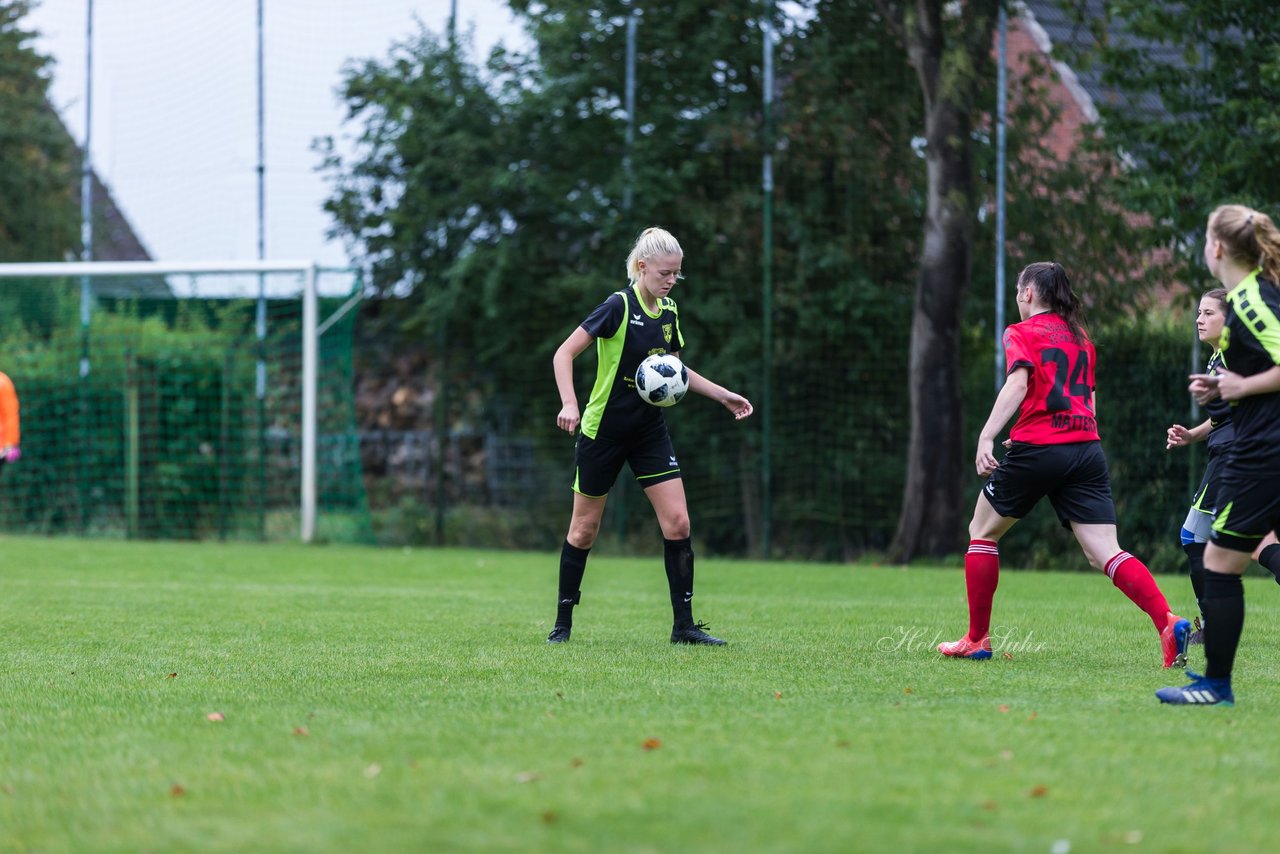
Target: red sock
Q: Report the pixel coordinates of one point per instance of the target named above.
(981, 574)
(1134, 580)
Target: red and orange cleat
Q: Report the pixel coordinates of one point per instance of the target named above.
(965, 648)
(1173, 641)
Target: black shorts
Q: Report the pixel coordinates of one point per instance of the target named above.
(598, 461)
(1206, 497)
(1248, 507)
(1074, 476)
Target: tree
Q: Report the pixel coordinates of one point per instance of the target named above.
(949, 46)
(37, 209)
(1194, 109)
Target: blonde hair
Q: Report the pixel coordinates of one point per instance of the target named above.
(651, 243)
(1249, 237)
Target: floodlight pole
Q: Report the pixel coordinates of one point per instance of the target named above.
(766, 297)
(86, 254)
(260, 320)
(619, 502)
(1001, 100)
(629, 95)
(310, 380)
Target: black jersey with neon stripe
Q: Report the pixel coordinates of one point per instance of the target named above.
(1221, 428)
(1251, 345)
(626, 332)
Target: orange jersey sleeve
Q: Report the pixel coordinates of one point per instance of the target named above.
(10, 432)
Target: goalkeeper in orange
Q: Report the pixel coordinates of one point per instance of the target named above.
(10, 434)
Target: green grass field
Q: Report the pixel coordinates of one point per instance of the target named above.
(407, 701)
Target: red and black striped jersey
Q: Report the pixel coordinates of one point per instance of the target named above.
(1058, 407)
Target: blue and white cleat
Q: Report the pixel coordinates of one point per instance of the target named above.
(1201, 692)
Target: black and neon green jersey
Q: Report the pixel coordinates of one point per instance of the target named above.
(625, 333)
(1222, 431)
(1251, 344)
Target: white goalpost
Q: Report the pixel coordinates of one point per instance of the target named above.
(94, 274)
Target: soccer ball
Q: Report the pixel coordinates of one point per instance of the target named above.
(662, 380)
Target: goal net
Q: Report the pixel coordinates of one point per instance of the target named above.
(182, 401)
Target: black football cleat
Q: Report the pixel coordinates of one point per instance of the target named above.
(694, 634)
(560, 634)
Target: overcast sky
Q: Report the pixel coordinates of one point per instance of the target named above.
(175, 108)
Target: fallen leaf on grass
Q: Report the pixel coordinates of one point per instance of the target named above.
(1038, 791)
(777, 695)
(172, 676)
(906, 690)
(1008, 655)
(216, 717)
(575, 762)
(549, 817)
(990, 806)
(844, 742)
(301, 730)
(1002, 709)
(651, 744)
(6, 788)
(1033, 716)
(177, 791)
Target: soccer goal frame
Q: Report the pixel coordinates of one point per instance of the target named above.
(312, 328)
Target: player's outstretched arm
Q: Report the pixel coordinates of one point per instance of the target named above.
(732, 401)
(1178, 436)
(1007, 403)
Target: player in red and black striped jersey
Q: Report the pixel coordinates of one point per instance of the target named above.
(1242, 251)
(1054, 452)
(618, 427)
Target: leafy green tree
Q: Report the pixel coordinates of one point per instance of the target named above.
(38, 220)
(1194, 108)
(543, 142)
(496, 196)
(950, 50)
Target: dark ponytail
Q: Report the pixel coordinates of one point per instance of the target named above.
(1053, 287)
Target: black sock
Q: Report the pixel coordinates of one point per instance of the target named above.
(1224, 621)
(573, 563)
(678, 557)
(1195, 564)
(1270, 558)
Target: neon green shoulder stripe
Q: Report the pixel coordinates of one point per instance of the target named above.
(669, 303)
(1247, 302)
(608, 356)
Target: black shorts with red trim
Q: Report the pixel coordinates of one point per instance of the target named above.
(1074, 476)
(598, 461)
(1248, 507)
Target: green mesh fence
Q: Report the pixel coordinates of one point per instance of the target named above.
(147, 422)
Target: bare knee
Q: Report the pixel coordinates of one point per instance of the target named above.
(676, 528)
(583, 532)
(1095, 561)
